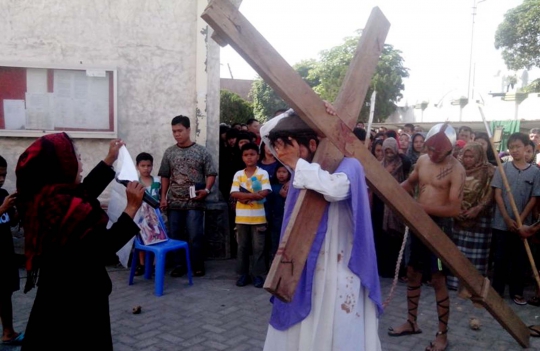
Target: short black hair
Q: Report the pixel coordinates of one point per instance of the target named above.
(144, 156)
(518, 136)
(251, 121)
(183, 120)
(231, 133)
(534, 131)
(235, 124)
(3, 162)
(360, 133)
(531, 144)
(465, 129)
(249, 146)
(243, 135)
(409, 125)
(223, 129)
(391, 134)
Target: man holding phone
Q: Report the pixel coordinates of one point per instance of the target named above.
(184, 165)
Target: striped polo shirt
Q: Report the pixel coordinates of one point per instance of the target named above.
(253, 212)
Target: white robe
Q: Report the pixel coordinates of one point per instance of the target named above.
(342, 316)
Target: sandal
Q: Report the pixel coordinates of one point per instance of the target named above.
(412, 311)
(534, 331)
(535, 301)
(413, 330)
(433, 347)
(519, 300)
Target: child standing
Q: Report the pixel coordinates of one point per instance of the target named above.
(145, 165)
(510, 260)
(9, 272)
(276, 204)
(250, 186)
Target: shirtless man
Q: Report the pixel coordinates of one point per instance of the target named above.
(440, 178)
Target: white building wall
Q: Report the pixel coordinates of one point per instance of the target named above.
(153, 45)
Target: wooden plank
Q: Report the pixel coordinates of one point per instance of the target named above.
(243, 37)
(299, 235)
(355, 85)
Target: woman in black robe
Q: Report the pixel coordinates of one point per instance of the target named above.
(67, 244)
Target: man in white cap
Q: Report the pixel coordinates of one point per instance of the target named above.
(337, 301)
(440, 179)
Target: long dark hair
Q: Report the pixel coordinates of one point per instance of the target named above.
(374, 145)
(274, 179)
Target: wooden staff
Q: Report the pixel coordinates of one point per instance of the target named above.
(511, 199)
(370, 121)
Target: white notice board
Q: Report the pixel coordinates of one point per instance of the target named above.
(39, 100)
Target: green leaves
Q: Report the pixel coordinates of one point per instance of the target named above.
(519, 36)
(326, 75)
(234, 108)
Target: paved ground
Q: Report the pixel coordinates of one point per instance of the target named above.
(214, 314)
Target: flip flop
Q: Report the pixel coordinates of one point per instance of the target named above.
(15, 341)
(519, 300)
(391, 331)
(534, 330)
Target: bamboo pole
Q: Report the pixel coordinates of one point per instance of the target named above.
(511, 199)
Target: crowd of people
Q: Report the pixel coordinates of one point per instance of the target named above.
(452, 174)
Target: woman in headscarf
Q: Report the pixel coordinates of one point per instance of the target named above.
(67, 243)
(472, 228)
(404, 142)
(389, 229)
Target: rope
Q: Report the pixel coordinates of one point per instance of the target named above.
(396, 272)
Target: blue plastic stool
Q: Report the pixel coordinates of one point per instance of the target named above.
(160, 252)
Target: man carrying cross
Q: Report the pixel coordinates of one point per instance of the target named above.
(337, 302)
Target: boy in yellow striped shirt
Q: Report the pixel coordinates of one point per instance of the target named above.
(250, 186)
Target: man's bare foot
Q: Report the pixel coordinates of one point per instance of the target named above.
(440, 343)
(407, 328)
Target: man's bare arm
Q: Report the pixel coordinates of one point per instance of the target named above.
(409, 183)
(164, 190)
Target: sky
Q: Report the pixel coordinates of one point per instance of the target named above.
(434, 37)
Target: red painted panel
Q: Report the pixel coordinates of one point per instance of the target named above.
(12, 86)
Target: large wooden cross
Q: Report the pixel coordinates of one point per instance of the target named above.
(232, 28)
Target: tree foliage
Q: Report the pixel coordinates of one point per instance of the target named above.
(387, 80)
(519, 36)
(326, 75)
(533, 87)
(265, 100)
(234, 108)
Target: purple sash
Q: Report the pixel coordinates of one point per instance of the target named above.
(363, 260)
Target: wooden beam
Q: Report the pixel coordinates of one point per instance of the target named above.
(299, 235)
(243, 37)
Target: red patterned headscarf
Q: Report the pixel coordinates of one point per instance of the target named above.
(54, 209)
